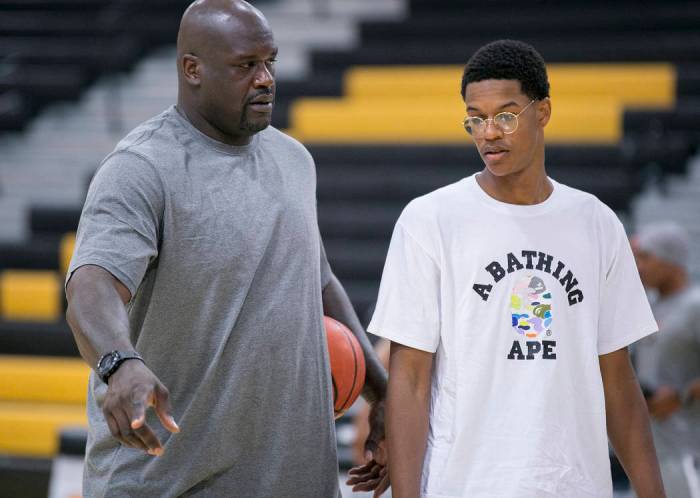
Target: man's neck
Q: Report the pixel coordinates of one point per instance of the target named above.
(197, 120)
(524, 188)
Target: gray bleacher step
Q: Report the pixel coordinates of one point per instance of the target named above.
(678, 200)
(13, 219)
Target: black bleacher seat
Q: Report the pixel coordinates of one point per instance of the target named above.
(24, 477)
(29, 23)
(72, 442)
(55, 5)
(664, 46)
(40, 85)
(421, 7)
(97, 55)
(688, 83)
(37, 338)
(356, 258)
(41, 254)
(683, 119)
(15, 111)
(358, 219)
(52, 220)
(663, 139)
(522, 20)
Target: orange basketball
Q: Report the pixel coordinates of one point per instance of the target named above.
(347, 365)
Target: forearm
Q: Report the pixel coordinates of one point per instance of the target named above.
(407, 433)
(630, 434)
(337, 305)
(96, 314)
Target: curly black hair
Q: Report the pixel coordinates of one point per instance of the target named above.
(508, 60)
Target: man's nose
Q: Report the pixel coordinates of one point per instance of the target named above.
(491, 131)
(264, 77)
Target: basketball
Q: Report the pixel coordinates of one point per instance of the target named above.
(347, 365)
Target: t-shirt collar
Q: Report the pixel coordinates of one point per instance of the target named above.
(236, 150)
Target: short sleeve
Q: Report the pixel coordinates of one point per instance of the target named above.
(625, 314)
(408, 305)
(120, 223)
(326, 272)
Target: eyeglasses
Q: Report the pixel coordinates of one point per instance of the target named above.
(507, 122)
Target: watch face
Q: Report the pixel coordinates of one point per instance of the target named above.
(107, 363)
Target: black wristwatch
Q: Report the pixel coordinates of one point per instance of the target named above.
(109, 362)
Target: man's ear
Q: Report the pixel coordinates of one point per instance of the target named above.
(191, 68)
(544, 111)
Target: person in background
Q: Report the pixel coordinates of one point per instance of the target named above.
(668, 363)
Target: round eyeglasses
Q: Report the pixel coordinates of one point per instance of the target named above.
(507, 122)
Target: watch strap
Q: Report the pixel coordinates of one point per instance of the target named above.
(117, 358)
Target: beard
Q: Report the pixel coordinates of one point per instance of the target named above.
(254, 125)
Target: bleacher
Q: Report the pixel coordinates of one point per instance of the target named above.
(383, 123)
(51, 50)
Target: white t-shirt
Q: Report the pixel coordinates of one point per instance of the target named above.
(517, 302)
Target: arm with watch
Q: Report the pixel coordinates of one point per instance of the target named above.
(98, 318)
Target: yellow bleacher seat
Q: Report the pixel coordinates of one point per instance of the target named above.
(30, 295)
(32, 429)
(340, 121)
(635, 85)
(421, 104)
(65, 251)
(43, 379)
(38, 397)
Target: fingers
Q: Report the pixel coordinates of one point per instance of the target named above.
(367, 477)
(162, 407)
(139, 398)
(124, 432)
(362, 470)
(125, 413)
(141, 438)
(150, 440)
(370, 485)
(113, 427)
(382, 487)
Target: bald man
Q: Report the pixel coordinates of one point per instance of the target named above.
(197, 288)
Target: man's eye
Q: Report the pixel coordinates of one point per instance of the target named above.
(247, 65)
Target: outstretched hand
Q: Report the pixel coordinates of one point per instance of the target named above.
(374, 474)
(132, 389)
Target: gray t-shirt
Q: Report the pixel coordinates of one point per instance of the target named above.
(672, 358)
(220, 248)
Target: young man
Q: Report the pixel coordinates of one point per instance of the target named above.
(198, 285)
(668, 363)
(510, 299)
